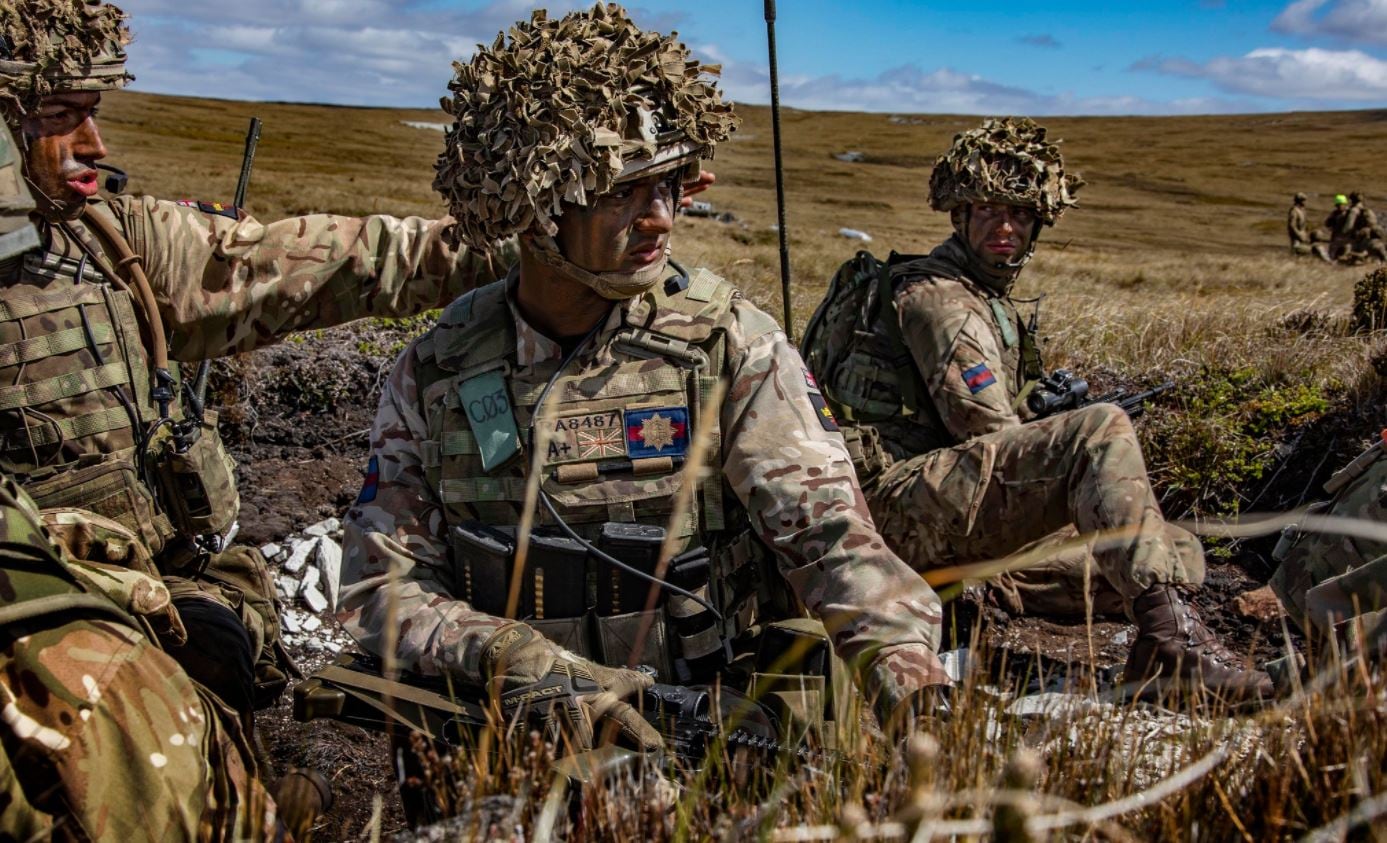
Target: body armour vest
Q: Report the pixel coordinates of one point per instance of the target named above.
(615, 427)
(78, 426)
(875, 383)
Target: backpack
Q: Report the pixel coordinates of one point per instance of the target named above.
(853, 344)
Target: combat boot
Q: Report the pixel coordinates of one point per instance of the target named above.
(1175, 651)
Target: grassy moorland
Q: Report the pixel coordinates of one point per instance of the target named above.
(1174, 266)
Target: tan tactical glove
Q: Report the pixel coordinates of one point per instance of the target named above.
(904, 683)
(531, 676)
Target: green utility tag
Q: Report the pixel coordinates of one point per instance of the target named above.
(999, 312)
(487, 405)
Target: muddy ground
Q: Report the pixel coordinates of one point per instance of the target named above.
(296, 418)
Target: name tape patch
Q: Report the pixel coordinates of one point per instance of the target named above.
(588, 437)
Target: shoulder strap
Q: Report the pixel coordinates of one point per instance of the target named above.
(35, 592)
(471, 332)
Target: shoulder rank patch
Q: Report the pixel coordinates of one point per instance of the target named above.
(821, 410)
(657, 433)
(978, 378)
(230, 211)
(371, 481)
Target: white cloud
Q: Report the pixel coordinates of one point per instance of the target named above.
(1360, 21)
(909, 89)
(1319, 76)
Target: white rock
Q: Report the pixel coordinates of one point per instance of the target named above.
(332, 646)
(956, 663)
(310, 579)
(329, 562)
(287, 586)
(325, 527)
(312, 623)
(290, 621)
(1122, 637)
(854, 234)
(270, 551)
(1053, 705)
(299, 555)
(315, 599)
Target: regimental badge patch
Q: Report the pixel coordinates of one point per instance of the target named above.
(588, 437)
(821, 410)
(978, 378)
(371, 482)
(230, 211)
(657, 433)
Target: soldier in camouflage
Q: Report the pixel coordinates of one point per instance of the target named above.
(102, 735)
(94, 323)
(1335, 583)
(575, 391)
(1298, 227)
(963, 476)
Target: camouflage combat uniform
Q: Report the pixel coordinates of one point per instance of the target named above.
(78, 370)
(102, 735)
(781, 480)
(968, 482)
(1298, 230)
(1325, 577)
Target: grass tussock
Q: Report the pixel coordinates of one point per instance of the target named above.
(1080, 769)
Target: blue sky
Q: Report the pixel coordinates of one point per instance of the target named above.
(1061, 57)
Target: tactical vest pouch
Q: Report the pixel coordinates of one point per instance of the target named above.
(638, 545)
(110, 488)
(553, 585)
(198, 487)
(570, 633)
(619, 635)
(869, 458)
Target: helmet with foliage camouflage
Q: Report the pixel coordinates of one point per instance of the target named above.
(1008, 161)
(560, 113)
(56, 46)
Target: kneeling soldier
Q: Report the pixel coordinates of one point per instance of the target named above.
(592, 372)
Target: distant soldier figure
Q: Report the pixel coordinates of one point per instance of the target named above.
(959, 476)
(591, 371)
(93, 417)
(1336, 227)
(1297, 228)
(1365, 235)
(1335, 584)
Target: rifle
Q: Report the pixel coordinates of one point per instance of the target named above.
(1064, 390)
(353, 691)
(196, 393)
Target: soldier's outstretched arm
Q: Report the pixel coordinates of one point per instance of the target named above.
(956, 351)
(395, 571)
(229, 283)
(786, 462)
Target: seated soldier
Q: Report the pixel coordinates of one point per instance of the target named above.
(575, 391)
(937, 380)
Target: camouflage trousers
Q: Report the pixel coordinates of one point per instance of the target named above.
(1072, 487)
(105, 738)
(238, 581)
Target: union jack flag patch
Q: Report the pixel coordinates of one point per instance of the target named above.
(978, 378)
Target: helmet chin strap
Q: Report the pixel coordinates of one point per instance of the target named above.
(614, 286)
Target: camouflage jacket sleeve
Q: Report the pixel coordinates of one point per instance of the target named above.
(785, 461)
(229, 284)
(395, 579)
(951, 336)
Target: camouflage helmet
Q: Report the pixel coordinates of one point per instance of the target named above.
(1008, 161)
(563, 111)
(1300, 198)
(55, 46)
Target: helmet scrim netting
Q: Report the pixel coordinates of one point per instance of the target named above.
(1008, 161)
(554, 115)
(56, 46)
